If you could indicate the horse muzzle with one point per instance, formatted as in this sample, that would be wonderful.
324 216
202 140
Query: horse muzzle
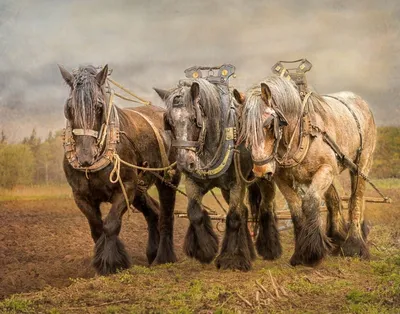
187 161
266 171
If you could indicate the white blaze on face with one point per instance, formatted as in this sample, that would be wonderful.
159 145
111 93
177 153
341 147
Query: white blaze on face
181 119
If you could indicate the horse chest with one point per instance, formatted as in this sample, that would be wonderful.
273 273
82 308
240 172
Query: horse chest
296 175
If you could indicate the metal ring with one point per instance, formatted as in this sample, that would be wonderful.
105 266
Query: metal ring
218 226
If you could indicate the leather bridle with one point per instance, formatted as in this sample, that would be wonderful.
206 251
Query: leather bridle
278 122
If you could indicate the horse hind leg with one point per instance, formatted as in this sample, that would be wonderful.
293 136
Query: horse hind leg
268 241
167 195
336 225
355 241
149 208
201 242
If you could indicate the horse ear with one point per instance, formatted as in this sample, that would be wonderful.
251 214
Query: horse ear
102 75
195 90
164 94
265 93
238 96
68 77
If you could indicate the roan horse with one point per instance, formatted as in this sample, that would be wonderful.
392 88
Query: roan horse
201 128
96 131
322 137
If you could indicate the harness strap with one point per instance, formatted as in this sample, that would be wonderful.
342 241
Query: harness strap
185 144
164 156
359 150
81 132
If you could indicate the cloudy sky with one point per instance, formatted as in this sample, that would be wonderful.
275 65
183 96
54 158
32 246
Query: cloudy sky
353 45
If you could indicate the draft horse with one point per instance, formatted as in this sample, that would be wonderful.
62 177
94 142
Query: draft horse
97 131
202 119
304 144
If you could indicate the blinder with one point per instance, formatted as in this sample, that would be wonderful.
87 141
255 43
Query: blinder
167 126
199 114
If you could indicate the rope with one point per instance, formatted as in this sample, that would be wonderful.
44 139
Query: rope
219 203
238 170
210 210
110 105
141 100
127 98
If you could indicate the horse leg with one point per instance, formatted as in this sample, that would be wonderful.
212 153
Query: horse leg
201 242
313 244
225 194
110 254
268 241
149 208
236 251
355 242
167 195
93 216
294 203
335 224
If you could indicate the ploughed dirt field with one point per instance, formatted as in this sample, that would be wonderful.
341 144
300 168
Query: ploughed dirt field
45 246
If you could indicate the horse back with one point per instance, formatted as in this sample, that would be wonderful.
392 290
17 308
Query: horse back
145 129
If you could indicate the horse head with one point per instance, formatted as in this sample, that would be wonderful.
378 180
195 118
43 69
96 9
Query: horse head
192 106
261 130
85 110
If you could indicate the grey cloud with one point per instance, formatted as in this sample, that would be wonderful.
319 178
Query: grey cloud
353 46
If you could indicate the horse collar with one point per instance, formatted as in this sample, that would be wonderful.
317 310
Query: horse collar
303 146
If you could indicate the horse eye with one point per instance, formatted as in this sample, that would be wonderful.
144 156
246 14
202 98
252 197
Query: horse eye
177 100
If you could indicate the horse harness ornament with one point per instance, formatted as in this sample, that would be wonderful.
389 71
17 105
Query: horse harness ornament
224 153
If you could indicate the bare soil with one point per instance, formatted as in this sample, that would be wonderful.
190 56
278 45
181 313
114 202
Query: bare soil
45 245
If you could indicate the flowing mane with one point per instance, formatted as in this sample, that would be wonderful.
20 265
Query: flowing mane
86 94
285 97
209 96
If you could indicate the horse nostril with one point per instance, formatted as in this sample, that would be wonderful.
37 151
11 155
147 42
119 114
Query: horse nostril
268 175
191 166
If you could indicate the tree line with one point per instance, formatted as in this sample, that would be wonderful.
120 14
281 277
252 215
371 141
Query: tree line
32 161
38 161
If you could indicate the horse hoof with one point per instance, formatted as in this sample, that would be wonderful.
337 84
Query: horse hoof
355 247
204 252
159 260
234 262
295 260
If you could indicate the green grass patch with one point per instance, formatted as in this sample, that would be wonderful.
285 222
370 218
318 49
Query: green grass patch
15 304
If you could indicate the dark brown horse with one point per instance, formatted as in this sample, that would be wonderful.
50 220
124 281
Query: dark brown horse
98 131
